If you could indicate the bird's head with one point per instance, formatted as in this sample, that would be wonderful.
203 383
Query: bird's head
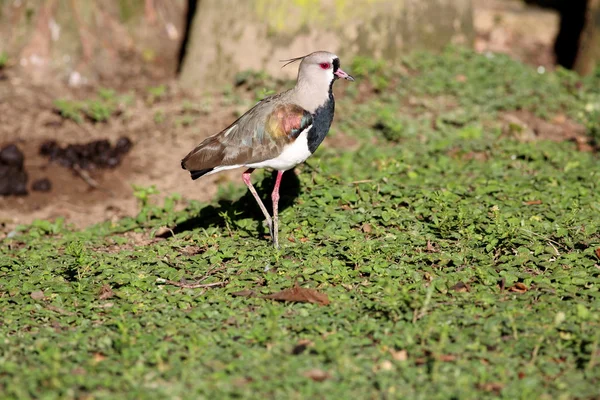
320 68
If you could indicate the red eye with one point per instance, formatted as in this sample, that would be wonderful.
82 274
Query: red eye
325 65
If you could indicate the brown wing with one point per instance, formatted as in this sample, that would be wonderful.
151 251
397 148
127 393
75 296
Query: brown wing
257 136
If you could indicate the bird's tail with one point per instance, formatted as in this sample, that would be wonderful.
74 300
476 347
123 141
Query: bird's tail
197 174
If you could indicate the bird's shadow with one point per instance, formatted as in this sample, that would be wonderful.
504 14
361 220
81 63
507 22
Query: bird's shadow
245 206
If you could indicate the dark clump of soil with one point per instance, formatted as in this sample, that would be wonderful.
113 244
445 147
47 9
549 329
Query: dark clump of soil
42 185
96 154
13 178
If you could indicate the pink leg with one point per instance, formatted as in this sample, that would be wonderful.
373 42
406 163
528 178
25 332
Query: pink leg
248 182
275 198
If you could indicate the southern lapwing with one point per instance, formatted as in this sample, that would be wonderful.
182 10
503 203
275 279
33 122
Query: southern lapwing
279 132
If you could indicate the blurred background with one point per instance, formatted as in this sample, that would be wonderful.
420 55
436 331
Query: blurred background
98 95
205 42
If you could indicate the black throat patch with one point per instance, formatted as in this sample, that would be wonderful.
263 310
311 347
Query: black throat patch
322 118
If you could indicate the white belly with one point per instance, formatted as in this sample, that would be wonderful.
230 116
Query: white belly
292 155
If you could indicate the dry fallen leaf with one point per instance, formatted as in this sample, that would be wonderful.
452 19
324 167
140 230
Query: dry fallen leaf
367 228
59 310
306 342
446 357
559 119
106 292
300 295
37 295
244 293
431 247
242 381
518 288
476 155
317 375
98 357
598 252
78 371
491 387
440 357
400 355
532 202
461 287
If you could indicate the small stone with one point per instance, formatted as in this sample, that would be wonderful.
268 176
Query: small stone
317 375
37 295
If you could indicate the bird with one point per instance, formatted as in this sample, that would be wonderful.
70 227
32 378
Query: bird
279 132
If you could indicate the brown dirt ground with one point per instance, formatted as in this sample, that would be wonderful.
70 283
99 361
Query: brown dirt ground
27 118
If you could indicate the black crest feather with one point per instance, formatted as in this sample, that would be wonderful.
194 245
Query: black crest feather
291 60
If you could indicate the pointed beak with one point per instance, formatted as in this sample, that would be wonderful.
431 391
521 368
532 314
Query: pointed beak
341 74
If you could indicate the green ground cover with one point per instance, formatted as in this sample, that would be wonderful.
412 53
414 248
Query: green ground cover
459 262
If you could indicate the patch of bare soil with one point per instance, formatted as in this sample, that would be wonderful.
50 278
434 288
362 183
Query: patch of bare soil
134 240
162 131
526 126
28 118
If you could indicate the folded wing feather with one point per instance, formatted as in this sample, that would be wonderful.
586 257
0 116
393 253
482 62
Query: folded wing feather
259 135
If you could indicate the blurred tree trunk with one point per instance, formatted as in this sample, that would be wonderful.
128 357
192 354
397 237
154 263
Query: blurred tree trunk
588 56
577 44
85 40
228 36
